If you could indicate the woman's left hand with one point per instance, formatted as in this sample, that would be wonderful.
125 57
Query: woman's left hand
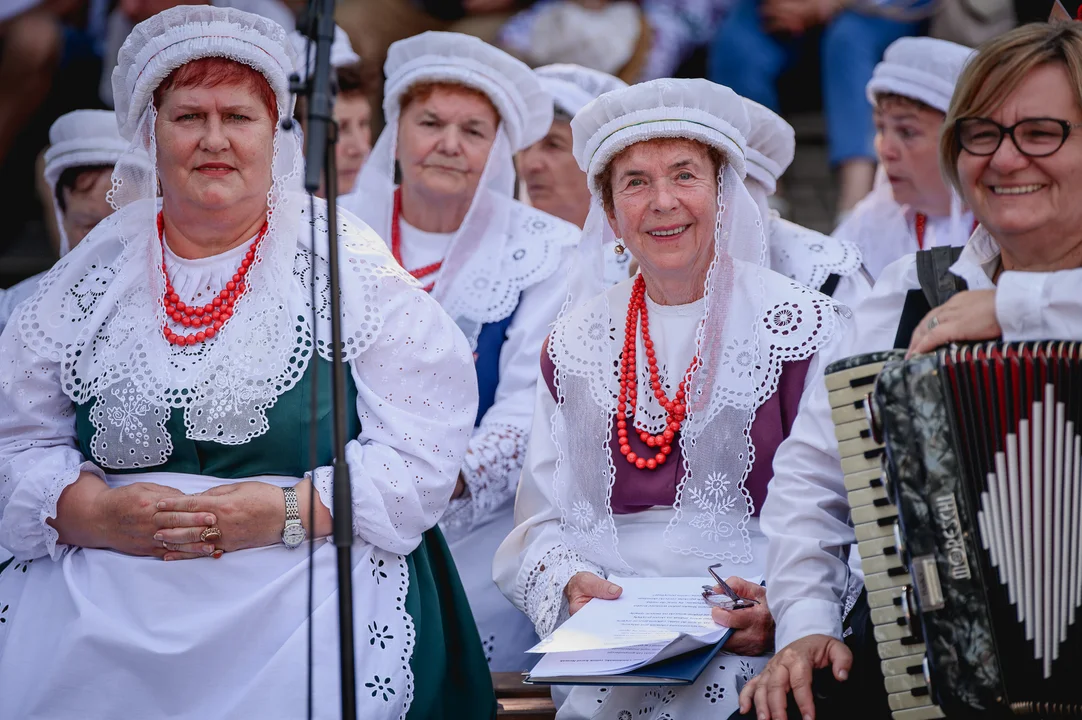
753 626
969 315
250 515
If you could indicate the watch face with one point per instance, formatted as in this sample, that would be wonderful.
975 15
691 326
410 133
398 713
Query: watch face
293 535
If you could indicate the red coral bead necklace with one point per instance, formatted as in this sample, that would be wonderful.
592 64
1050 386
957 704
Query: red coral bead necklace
675 409
396 245
210 318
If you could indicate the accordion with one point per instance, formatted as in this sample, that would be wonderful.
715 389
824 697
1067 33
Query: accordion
964 475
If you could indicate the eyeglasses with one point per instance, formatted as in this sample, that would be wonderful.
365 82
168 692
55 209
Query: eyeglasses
1034 137
727 598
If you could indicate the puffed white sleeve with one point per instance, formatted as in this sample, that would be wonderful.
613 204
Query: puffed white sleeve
498 446
806 513
532 566
1040 305
38 452
416 401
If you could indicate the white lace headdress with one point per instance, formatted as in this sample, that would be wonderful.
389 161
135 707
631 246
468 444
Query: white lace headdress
794 251
753 321
922 68
342 53
99 311
465 285
80 138
573 87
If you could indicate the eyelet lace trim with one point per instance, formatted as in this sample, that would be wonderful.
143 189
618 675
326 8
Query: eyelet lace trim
546 604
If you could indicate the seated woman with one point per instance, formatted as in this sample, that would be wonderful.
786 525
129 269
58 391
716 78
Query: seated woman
911 208
439 187
84 145
156 402
1022 268
828 264
553 179
352 111
664 396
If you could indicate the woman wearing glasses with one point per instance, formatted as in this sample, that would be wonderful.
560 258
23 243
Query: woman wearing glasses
1013 149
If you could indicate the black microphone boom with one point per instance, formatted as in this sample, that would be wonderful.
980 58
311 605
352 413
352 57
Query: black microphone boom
320 137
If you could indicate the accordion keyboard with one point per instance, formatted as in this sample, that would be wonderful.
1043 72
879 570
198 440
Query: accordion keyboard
874 515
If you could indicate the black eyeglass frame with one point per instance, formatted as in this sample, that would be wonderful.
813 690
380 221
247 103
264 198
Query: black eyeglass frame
1004 131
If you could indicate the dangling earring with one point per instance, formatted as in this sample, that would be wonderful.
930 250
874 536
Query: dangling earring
619 249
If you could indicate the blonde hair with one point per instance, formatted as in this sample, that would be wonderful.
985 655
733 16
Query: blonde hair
998 68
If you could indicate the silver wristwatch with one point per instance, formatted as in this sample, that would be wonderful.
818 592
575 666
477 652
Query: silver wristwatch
294 533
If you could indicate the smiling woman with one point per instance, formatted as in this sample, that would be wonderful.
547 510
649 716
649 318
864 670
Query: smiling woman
171 397
668 393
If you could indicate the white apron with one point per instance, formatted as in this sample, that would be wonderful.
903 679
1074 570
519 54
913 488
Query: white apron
99 634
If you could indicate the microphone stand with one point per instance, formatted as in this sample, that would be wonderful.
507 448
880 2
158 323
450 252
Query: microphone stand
321 137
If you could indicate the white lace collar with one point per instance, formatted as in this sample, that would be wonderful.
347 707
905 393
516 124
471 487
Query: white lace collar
772 321
809 257
99 313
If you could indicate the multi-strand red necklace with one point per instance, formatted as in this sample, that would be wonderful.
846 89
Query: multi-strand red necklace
396 245
215 314
675 409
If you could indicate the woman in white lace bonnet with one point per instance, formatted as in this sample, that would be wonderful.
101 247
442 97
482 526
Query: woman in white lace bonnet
828 264
156 403
912 207
663 397
84 145
439 188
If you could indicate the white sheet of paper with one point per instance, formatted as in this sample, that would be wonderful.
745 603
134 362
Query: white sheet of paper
594 662
648 612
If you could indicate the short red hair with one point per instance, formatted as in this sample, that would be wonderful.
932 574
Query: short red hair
215 71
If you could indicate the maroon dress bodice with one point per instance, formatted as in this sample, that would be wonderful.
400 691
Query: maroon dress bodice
635 490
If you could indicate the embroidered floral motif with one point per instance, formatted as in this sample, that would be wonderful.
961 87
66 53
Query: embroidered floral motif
379 635
377 570
714 692
380 687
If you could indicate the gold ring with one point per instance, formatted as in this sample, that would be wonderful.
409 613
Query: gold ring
211 533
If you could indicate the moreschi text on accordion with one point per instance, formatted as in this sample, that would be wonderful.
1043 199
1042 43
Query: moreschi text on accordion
965 487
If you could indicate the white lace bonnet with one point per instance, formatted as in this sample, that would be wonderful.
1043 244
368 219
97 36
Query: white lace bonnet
525 115
572 87
921 68
342 53
80 138
771 145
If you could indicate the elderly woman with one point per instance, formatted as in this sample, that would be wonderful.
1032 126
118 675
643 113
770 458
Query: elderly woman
456 110
553 179
1011 150
830 265
664 396
156 399
84 145
352 111
911 207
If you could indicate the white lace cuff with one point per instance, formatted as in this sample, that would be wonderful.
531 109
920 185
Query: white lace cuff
492 468
25 530
543 592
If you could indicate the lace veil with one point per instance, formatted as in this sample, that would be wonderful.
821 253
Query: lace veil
753 321
466 287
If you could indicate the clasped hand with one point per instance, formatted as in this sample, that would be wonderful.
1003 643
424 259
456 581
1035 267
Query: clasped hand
248 514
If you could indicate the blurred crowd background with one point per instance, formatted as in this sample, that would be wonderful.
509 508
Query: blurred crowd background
808 59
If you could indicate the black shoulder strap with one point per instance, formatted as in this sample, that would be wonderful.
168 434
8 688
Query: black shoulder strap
937 285
830 285
933 273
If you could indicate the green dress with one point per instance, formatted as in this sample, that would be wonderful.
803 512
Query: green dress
451 677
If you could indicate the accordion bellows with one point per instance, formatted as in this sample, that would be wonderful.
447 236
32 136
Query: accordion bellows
965 482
